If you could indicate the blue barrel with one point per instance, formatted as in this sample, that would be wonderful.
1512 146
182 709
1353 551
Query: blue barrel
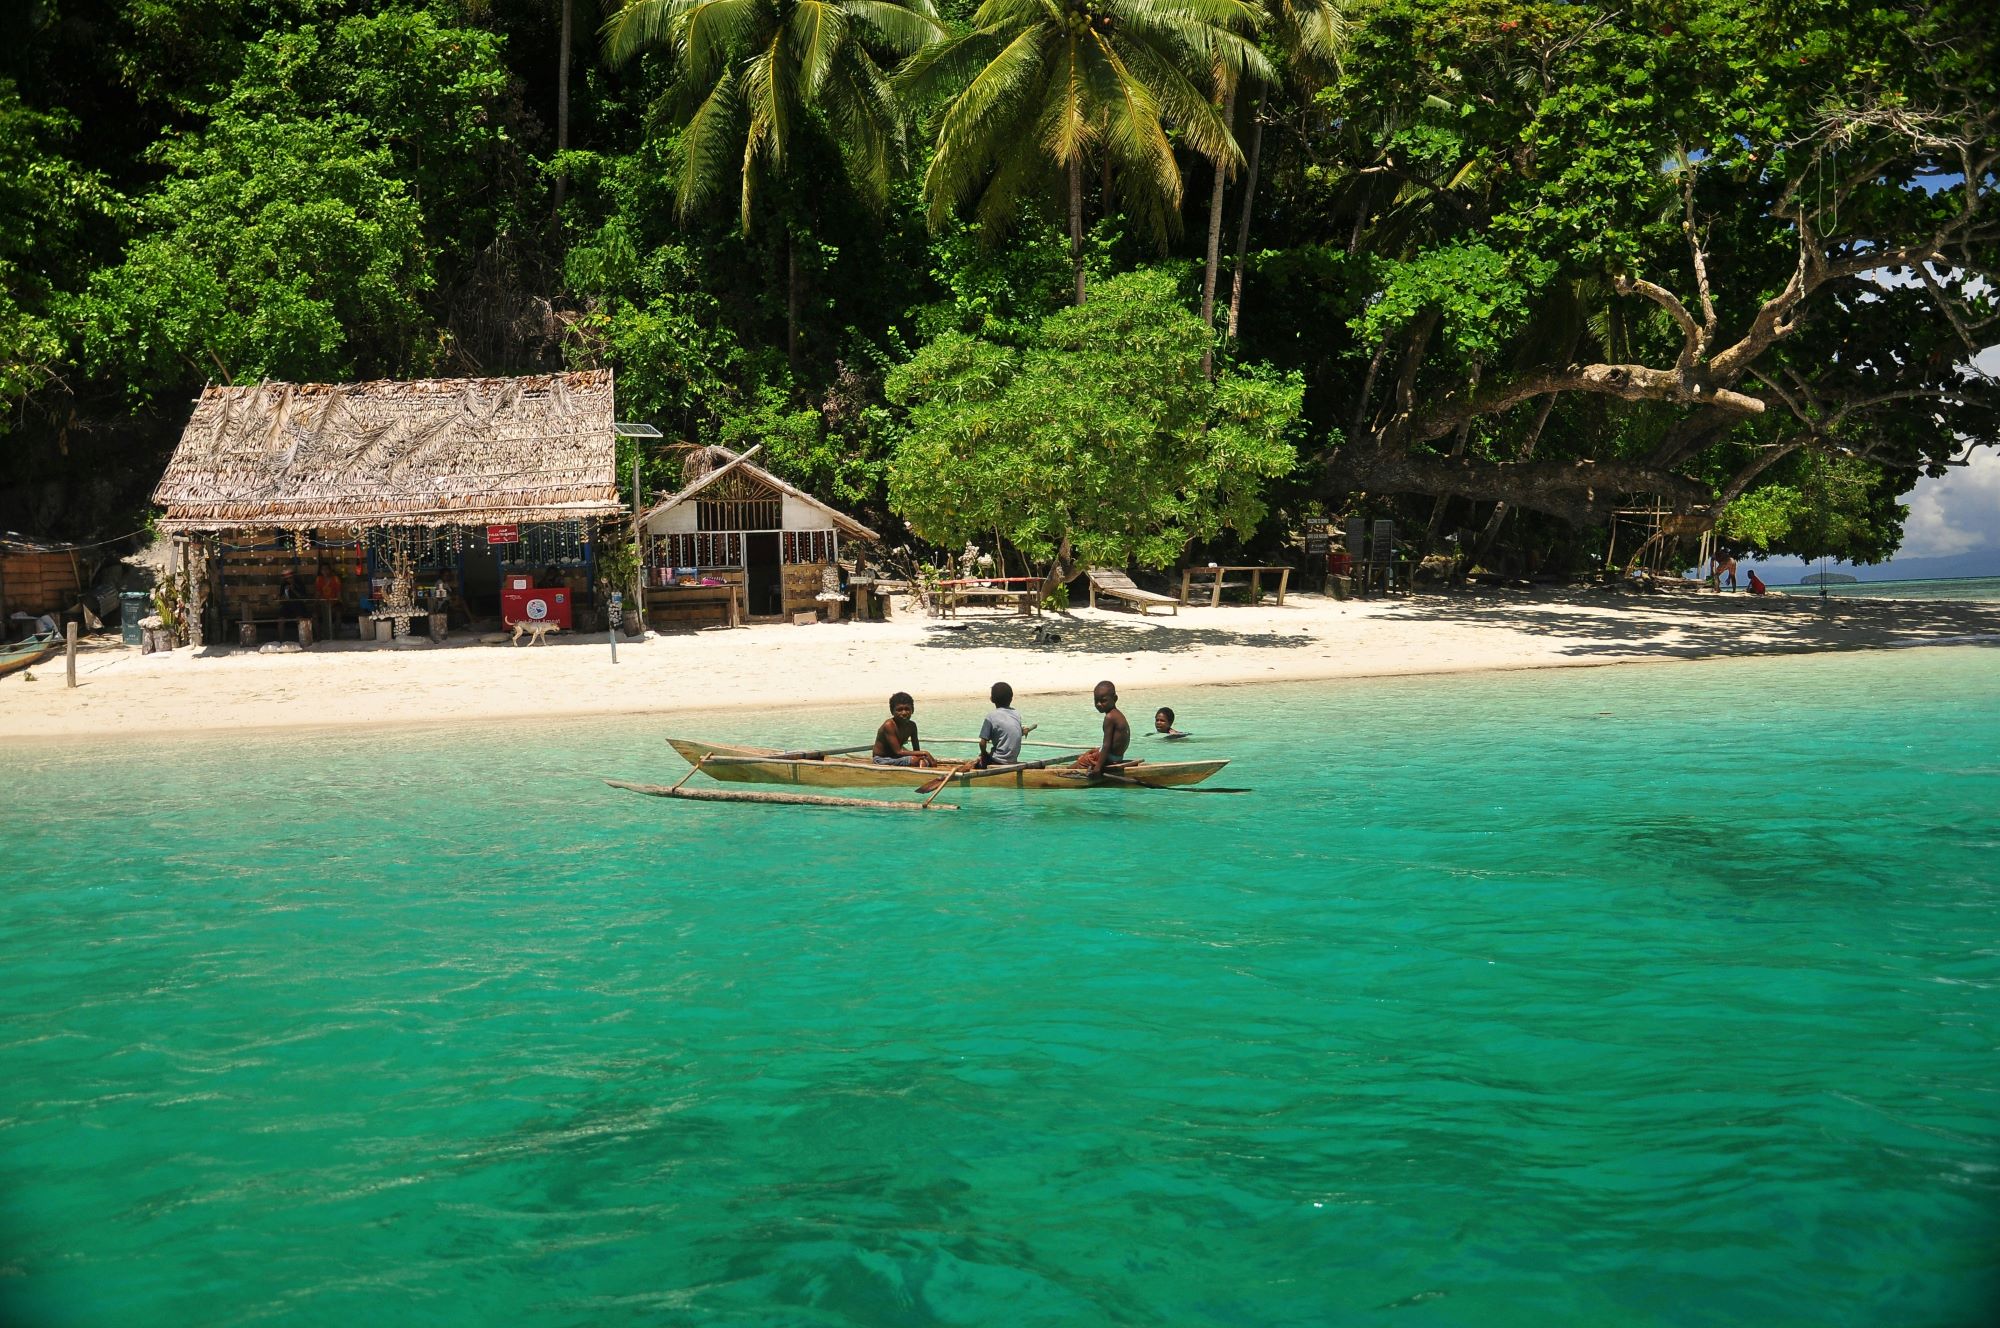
132 606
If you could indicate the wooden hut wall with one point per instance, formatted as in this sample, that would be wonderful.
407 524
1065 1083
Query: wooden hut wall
39 581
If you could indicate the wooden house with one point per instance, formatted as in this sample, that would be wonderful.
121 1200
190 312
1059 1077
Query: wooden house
36 577
767 545
417 495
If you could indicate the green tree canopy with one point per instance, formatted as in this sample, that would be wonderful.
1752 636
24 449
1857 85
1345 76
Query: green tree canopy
1100 438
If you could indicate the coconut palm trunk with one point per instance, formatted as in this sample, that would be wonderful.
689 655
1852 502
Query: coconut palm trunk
562 103
792 301
1209 271
1243 224
1076 223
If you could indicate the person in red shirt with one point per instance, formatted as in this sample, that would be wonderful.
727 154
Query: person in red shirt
1756 585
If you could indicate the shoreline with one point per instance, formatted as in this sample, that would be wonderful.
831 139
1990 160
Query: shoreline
353 686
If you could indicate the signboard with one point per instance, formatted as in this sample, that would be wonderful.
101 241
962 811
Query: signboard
503 534
1316 534
617 612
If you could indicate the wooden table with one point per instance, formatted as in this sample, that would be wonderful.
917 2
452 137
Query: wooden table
1027 600
1215 587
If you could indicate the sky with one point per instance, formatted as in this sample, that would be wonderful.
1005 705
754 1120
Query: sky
1960 511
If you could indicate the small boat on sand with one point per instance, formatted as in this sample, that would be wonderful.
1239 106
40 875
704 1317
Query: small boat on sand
21 654
766 765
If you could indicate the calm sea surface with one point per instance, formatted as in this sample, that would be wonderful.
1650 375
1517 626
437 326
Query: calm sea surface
1963 587
1652 995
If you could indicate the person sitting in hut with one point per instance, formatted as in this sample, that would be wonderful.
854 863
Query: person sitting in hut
1163 725
326 585
896 740
1001 732
1110 750
292 595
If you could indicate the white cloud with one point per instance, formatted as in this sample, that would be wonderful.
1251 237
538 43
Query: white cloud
1956 513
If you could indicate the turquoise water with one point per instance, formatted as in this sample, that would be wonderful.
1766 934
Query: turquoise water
1963 587
1652 995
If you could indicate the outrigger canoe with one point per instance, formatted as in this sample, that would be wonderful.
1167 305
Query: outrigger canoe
30 651
767 765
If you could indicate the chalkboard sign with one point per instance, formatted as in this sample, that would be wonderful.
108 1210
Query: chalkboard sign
1316 534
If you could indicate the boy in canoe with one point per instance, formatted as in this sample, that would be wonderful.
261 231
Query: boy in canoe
1001 733
1110 750
896 740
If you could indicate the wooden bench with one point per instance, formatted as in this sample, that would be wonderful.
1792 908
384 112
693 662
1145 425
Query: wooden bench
695 604
1117 585
1217 584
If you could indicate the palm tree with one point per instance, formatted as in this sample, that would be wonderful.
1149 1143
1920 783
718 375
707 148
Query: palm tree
1039 88
750 76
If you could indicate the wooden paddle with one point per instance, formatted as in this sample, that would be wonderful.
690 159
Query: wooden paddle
938 783
1056 746
819 755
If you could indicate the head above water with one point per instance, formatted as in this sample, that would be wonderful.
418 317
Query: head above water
1163 718
902 701
1002 694
1104 696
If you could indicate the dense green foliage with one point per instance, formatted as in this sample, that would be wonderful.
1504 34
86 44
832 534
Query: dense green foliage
1027 443
1511 263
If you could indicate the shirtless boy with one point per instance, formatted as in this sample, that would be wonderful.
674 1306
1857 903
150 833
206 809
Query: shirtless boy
896 740
1117 732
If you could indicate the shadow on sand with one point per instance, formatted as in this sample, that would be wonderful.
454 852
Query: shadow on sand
1688 626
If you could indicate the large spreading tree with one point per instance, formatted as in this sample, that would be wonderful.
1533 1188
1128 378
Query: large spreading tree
1101 438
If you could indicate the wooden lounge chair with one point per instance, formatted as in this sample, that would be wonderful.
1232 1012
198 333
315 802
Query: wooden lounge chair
1117 585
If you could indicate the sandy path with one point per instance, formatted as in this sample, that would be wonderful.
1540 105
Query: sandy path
348 683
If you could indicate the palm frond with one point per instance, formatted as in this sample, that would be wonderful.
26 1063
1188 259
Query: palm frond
639 26
900 28
705 147
818 30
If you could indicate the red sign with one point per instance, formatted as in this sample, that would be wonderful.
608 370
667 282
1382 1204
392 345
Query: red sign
503 534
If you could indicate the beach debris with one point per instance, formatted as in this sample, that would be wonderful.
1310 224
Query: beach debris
279 648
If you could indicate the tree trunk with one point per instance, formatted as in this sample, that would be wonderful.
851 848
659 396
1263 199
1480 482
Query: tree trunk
1243 225
1444 499
562 103
1474 556
792 303
1076 223
1214 245
1059 570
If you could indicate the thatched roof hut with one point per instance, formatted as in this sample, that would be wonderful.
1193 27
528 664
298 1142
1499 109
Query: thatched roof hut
428 452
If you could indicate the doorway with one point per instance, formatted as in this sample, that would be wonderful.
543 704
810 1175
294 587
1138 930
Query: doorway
764 583
479 577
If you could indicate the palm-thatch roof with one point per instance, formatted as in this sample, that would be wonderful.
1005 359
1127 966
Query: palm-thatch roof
427 452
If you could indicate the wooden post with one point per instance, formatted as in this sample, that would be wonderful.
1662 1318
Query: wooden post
69 651
638 538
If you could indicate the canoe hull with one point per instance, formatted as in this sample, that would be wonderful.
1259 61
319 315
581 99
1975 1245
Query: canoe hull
23 653
742 767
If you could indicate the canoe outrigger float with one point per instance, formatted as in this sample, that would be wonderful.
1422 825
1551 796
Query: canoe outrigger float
841 768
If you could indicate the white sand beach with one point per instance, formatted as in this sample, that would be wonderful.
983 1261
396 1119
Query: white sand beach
122 692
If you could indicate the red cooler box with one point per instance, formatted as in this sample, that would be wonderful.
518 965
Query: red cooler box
519 603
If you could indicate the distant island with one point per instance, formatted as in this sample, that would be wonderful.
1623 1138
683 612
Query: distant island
1945 567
